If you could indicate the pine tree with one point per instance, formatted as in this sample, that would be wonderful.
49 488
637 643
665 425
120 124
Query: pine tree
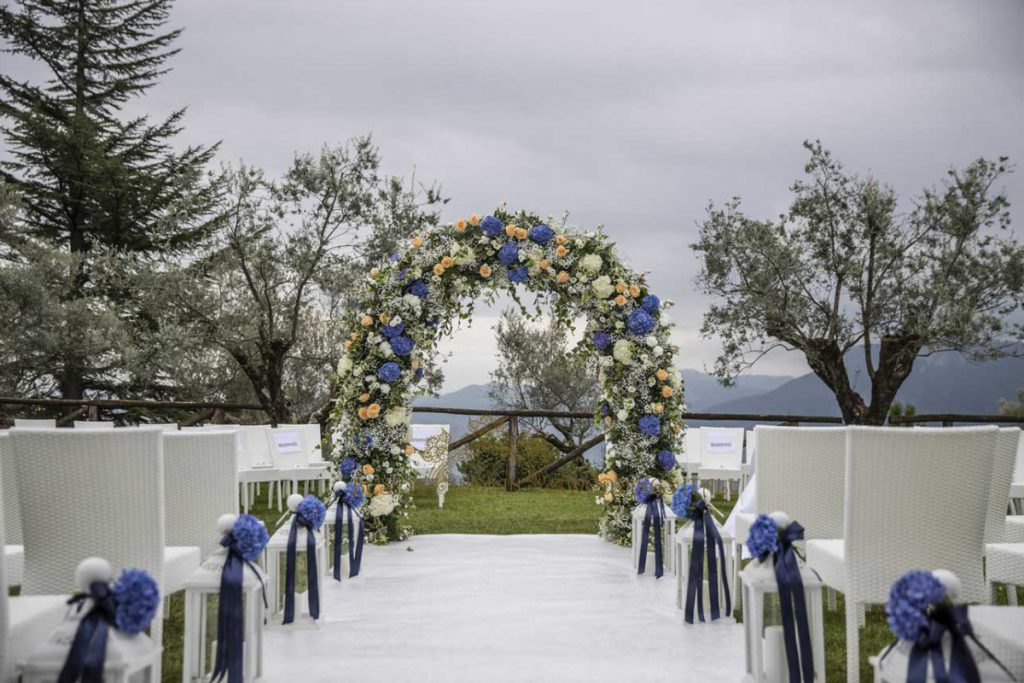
90 178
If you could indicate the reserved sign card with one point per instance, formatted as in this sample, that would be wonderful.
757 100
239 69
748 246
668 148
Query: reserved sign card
287 442
719 442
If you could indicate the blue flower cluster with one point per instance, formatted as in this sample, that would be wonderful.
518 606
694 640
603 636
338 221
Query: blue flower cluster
250 537
402 346
390 331
640 322
763 537
364 439
650 425
643 490
519 274
667 459
602 340
508 254
312 510
354 495
347 466
418 288
651 303
136 597
389 372
492 226
541 234
682 500
909 600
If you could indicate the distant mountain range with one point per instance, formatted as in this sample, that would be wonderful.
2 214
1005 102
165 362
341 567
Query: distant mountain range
943 383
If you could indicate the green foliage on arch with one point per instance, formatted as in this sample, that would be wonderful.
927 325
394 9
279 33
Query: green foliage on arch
413 300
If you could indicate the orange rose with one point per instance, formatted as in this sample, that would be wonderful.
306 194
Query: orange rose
474 219
355 336
607 420
379 489
658 408
510 230
415 363
620 288
348 343
559 239
438 269
366 321
367 469
607 496
409 450
364 397
563 277
612 476
544 264
373 410
363 415
383 318
485 270
460 225
447 262
620 300
666 391
417 241
521 233
561 251
374 272
634 291
661 374
677 428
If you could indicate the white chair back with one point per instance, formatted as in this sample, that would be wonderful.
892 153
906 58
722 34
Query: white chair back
201 480
35 424
800 470
255 447
691 448
999 489
5 656
11 527
295 445
85 494
87 425
1018 469
750 450
721 447
915 498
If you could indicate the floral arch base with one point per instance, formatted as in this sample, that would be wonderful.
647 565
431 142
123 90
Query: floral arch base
437 277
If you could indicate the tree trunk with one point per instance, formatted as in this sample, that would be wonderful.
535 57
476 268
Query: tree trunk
826 361
896 355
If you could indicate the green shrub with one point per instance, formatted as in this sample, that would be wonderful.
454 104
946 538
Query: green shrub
486 462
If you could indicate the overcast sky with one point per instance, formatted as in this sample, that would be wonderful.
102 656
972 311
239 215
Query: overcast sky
632 115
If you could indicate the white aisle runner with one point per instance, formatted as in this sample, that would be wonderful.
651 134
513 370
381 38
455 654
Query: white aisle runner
502 608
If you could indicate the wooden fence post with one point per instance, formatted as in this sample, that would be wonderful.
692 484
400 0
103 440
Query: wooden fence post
513 453
94 413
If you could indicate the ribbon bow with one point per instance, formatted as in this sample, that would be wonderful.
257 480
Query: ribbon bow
795 627
706 540
230 622
654 514
311 573
355 547
88 652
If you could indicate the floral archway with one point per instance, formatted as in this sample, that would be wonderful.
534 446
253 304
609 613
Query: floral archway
437 277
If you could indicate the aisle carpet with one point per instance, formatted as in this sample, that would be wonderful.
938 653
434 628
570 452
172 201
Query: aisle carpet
502 608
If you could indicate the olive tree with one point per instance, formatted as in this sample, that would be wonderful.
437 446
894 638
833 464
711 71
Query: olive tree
846 269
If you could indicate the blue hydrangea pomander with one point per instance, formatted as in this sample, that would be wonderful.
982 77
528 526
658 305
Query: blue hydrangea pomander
389 372
910 598
541 234
651 304
763 537
250 537
418 288
402 345
667 459
602 340
492 226
650 425
347 466
519 274
508 255
643 490
682 500
136 597
313 510
640 322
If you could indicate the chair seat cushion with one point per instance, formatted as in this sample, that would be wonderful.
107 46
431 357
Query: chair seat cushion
251 475
826 556
179 563
32 618
14 559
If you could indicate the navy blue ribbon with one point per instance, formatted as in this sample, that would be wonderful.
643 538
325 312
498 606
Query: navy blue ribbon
230 615
928 648
88 653
793 605
311 573
653 516
355 541
706 541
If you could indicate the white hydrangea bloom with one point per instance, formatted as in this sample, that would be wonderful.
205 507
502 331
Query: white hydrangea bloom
603 286
591 263
623 352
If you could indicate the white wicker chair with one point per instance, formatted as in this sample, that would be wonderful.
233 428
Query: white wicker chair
721 451
691 451
95 493
24 621
749 459
13 550
301 461
1004 563
1017 487
903 520
93 425
201 481
255 464
34 424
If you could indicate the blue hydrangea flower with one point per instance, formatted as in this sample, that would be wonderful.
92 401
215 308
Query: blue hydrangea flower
605 408
402 274
640 322
509 254
364 439
541 234
909 600
682 500
389 372
347 466
643 490
419 288
354 495
250 537
651 303
419 373
395 257
763 538
136 597
492 226
519 274
602 340
390 331
667 459
402 346
312 510
650 425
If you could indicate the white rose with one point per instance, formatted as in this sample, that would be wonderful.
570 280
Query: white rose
591 263
384 389
623 352
603 286
395 450
395 417
397 320
651 340
622 415
658 351
411 300
385 349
